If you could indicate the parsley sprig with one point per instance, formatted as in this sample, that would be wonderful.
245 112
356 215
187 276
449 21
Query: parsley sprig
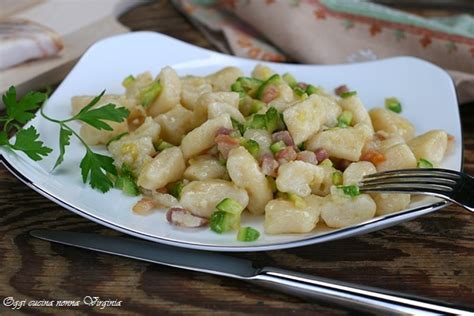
96 169
18 113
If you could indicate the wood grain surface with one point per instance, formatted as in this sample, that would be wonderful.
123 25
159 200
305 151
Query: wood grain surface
432 256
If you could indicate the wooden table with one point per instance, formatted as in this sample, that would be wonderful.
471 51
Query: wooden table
432 256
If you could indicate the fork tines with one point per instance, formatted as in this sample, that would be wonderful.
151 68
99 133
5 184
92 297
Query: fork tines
450 185
431 180
419 171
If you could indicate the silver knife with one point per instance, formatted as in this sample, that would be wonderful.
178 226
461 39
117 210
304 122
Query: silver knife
310 287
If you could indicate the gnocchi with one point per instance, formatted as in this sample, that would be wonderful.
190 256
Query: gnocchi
262 72
297 177
324 188
344 143
135 86
359 112
215 110
356 171
166 167
137 147
204 167
223 79
330 108
191 89
214 147
215 100
340 211
245 172
202 137
399 156
303 119
285 98
431 145
391 123
390 202
262 137
201 197
175 124
170 92
283 217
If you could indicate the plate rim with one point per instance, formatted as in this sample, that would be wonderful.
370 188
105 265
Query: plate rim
333 235
389 219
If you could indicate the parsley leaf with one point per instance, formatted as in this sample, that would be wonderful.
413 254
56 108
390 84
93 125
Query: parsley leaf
64 141
18 113
19 110
92 103
27 142
3 138
108 112
95 168
97 117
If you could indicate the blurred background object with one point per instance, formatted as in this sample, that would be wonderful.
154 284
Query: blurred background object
23 40
78 23
306 31
455 5
339 31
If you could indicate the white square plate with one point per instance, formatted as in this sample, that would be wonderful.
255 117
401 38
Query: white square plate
426 91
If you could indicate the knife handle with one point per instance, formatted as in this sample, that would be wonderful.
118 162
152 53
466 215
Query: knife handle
350 295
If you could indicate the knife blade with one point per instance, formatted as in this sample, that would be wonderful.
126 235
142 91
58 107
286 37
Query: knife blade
194 260
306 286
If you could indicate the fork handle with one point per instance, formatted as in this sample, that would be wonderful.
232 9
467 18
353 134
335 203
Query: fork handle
351 296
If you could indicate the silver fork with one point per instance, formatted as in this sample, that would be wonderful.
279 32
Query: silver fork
454 186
